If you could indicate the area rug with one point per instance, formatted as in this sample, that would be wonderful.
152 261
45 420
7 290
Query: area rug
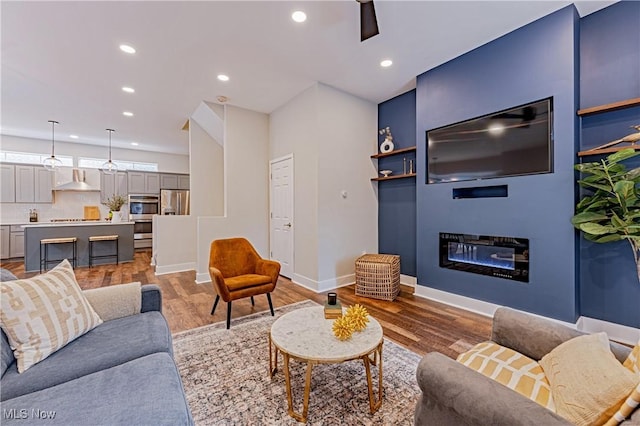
226 379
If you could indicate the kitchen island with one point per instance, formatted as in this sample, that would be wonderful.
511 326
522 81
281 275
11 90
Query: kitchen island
35 232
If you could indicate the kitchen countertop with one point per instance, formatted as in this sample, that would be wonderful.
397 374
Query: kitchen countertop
86 223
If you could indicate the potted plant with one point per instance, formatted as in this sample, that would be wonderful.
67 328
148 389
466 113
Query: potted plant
115 203
611 209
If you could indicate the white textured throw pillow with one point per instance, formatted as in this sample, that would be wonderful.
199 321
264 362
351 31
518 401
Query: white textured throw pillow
42 314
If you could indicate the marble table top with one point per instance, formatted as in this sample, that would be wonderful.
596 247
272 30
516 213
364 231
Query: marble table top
306 334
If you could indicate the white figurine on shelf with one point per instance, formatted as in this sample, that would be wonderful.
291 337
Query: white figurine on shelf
387 145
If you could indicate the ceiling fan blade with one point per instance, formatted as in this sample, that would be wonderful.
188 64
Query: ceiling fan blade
368 21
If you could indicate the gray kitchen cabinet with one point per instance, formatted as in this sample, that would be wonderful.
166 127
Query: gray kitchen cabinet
152 183
183 181
115 184
7 183
16 240
168 181
43 192
33 184
25 184
5 230
143 183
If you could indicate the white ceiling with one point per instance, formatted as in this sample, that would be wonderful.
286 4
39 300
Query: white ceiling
60 60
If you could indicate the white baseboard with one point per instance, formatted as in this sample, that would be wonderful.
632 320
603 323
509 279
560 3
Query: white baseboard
617 332
408 280
322 286
203 278
463 302
179 267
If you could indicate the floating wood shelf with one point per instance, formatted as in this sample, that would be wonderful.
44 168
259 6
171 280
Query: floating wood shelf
397 151
614 146
408 175
610 107
608 150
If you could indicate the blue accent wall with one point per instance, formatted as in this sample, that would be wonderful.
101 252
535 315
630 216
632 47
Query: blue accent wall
610 72
397 198
531 63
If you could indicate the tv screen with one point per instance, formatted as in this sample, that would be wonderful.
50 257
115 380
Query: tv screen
513 142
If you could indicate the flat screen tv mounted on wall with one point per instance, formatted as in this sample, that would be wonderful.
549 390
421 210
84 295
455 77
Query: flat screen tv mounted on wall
513 142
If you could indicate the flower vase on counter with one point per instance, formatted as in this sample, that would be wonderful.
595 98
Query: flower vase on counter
116 217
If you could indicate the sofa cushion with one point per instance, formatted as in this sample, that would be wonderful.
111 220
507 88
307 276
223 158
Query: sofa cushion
144 391
510 368
587 382
42 314
112 343
115 301
633 360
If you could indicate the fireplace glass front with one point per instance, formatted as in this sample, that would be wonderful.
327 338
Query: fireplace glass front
503 257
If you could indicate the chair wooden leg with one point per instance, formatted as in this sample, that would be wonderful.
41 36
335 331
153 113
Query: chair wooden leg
215 304
228 315
270 304
252 302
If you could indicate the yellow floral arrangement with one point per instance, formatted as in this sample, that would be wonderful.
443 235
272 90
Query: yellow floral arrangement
355 319
342 328
359 317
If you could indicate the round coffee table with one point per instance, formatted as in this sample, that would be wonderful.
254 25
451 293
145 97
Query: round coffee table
305 335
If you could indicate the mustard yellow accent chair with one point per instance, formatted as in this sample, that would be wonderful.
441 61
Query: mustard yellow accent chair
237 271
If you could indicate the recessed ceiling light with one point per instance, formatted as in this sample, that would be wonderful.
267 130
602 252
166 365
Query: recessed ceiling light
128 89
223 77
73 136
299 16
127 49
128 114
134 143
386 63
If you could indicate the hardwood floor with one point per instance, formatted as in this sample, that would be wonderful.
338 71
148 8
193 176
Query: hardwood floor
418 324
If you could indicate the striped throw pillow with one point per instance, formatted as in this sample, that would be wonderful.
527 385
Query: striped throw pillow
512 369
628 407
633 360
42 314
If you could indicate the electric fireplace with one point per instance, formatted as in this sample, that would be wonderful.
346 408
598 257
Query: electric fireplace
503 257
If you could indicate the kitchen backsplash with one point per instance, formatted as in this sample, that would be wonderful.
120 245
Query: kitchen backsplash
66 205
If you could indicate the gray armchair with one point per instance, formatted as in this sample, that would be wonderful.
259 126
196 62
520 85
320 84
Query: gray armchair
453 394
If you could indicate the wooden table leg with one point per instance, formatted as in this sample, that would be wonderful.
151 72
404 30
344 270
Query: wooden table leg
374 404
301 417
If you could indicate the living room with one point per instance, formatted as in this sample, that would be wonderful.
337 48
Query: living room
562 55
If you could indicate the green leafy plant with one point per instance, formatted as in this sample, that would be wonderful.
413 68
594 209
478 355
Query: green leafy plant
611 210
115 202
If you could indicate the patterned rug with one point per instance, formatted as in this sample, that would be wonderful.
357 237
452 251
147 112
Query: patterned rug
226 379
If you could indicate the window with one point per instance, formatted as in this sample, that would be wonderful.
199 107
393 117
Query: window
32 158
96 163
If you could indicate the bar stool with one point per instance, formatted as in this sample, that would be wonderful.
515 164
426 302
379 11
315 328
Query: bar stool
46 242
100 238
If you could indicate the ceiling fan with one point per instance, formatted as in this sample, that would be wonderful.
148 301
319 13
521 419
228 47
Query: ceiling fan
368 21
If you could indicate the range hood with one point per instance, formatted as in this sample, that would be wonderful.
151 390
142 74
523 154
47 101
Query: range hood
77 184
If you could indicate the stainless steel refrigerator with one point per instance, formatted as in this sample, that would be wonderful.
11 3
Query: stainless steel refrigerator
174 201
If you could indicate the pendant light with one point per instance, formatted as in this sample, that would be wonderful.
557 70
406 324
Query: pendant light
52 162
109 167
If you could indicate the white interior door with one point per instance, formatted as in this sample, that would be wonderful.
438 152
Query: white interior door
281 199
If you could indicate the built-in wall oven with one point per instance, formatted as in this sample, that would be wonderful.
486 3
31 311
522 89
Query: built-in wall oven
142 207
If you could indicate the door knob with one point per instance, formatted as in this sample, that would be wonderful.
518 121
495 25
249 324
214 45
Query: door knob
288 225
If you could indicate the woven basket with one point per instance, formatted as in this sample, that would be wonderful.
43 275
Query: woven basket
378 276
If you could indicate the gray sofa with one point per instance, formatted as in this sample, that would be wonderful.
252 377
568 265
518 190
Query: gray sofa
120 373
453 394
